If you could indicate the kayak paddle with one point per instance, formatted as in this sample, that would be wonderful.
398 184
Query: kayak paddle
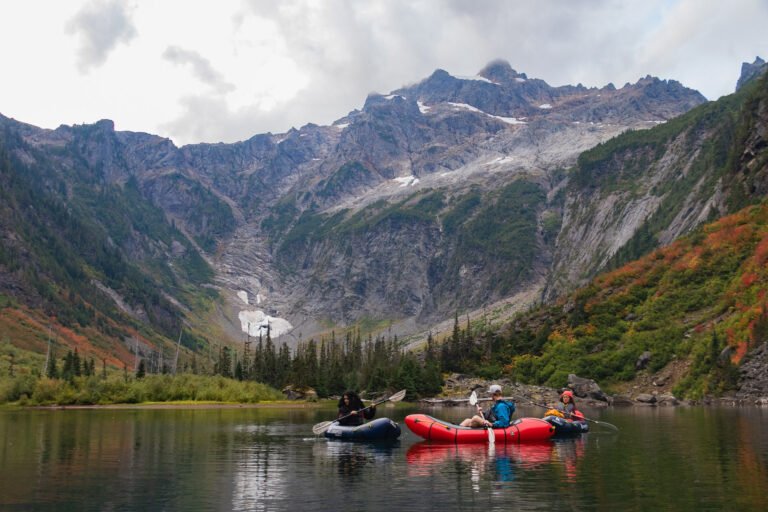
491 433
322 427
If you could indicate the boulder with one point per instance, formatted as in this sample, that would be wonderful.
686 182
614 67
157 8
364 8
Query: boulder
667 399
298 393
622 401
585 388
643 360
646 398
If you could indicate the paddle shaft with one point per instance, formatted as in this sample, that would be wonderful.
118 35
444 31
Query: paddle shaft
585 418
491 433
322 427
353 413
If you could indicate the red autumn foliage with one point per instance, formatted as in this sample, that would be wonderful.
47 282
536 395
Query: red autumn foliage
748 279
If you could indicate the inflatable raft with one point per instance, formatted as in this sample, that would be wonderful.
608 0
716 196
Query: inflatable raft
380 429
567 428
523 430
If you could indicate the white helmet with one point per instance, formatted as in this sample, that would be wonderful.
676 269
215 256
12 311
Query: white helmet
495 388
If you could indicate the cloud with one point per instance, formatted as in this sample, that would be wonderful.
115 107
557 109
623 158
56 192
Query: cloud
101 25
346 50
201 67
316 61
210 119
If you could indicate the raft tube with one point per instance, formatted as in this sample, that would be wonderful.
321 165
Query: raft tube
380 429
567 428
523 430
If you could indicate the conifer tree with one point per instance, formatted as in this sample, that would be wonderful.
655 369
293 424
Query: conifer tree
141 371
52 372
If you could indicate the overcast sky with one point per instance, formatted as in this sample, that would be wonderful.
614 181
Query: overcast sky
223 71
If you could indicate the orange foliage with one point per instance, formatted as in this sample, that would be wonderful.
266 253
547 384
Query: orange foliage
689 261
761 252
729 237
748 279
28 329
673 252
741 351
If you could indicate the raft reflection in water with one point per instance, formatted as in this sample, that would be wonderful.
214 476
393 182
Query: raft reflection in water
503 462
350 459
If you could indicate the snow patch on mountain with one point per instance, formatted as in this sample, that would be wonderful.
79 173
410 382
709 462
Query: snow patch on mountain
405 181
256 322
476 78
464 106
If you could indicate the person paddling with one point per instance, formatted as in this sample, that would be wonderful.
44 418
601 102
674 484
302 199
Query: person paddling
499 415
351 406
567 406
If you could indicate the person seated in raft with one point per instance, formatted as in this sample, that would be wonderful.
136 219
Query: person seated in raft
567 406
352 406
499 415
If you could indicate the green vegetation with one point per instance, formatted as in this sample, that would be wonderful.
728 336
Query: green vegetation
345 178
329 367
702 299
74 231
706 144
210 220
500 235
117 389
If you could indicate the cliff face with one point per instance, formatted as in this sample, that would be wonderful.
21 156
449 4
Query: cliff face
645 189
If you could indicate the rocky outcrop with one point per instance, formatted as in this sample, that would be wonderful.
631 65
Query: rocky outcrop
753 381
751 71
586 388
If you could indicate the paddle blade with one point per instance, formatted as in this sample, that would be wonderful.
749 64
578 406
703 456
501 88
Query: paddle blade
491 436
473 398
320 428
398 396
609 425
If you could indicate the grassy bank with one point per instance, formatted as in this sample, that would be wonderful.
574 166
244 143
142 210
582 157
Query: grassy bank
115 389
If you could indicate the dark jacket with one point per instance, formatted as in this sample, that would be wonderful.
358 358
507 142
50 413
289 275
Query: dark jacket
355 404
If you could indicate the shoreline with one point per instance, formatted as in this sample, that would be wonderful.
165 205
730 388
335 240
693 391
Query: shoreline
177 405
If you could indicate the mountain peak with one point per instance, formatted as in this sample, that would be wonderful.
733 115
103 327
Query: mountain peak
500 70
751 71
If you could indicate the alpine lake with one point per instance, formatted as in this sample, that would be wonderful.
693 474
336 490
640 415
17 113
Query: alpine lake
267 459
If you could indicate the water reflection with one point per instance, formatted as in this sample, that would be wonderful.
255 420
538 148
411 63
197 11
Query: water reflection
350 459
681 459
499 463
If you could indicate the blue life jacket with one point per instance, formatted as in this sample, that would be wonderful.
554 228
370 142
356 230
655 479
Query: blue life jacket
501 413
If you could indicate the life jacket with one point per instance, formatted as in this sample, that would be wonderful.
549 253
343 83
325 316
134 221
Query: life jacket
569 411
491 416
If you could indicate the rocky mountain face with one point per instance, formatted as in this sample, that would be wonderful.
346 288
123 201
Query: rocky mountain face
645 189
448 195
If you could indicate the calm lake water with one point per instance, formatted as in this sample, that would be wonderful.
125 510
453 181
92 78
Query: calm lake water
267 459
